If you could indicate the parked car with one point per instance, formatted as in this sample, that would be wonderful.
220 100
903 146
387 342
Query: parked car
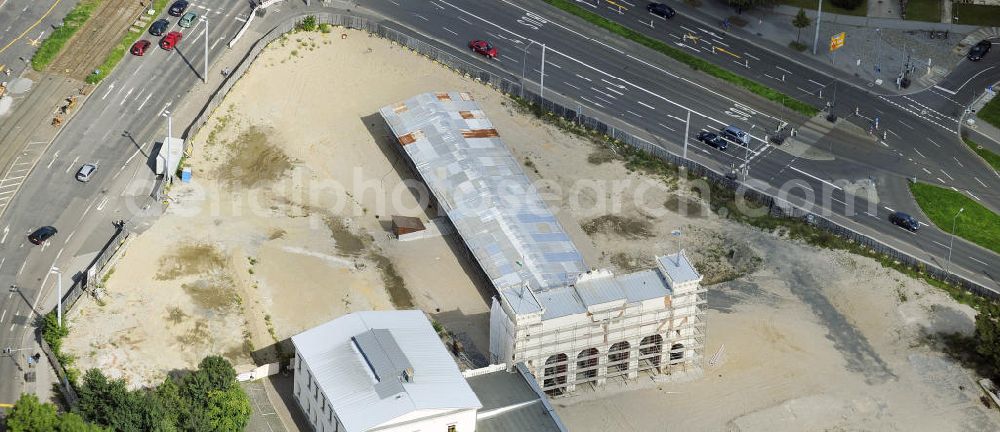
904 220
979 50
159 27
188 19
484 48
139 47
178 8
86 172
713 140
736 135
170 40
661 9
42 234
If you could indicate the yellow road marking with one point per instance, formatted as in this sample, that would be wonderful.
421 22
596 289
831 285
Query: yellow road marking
727 52
3 405
30 28
690 36
618 5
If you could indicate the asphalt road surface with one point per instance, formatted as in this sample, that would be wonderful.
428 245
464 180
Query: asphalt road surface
23 25
119 123
651 96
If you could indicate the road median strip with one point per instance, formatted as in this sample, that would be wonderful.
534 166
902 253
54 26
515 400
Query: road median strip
118 52
51 46
686 58
975 223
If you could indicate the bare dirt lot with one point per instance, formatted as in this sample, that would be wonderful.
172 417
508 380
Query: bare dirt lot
284 227
87 48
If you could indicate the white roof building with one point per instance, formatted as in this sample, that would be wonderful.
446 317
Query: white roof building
380 371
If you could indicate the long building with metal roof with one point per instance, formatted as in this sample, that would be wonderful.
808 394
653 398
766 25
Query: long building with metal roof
550 305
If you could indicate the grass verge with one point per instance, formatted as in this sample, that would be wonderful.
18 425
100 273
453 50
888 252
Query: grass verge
683 57
53 334
973 14
923 10
991 158
118 52
976 224
52 45
990 113
724 202
861 10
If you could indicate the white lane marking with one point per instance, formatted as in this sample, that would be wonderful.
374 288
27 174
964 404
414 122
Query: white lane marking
980 181
4 315
972 78
126 97
615 91
110 88
215 43
421 17
817 178
553 65
921 154
630 112
932 142
751 56
940 244
945 90
581 76
925 170
959 163
6 230
19 271
942 182
72 164
571 85
645 105
905 124
817 83
449 30
972 195
102 204
978 261
666 127
783 70
592 102
603 93
508 57
949 175
54 157
144 102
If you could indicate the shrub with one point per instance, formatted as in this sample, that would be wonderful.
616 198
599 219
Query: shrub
307 24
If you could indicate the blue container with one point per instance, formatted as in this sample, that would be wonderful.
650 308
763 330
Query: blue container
186 175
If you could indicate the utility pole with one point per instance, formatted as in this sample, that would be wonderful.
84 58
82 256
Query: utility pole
59 295
166 169
541 92
819 16
954 222
687 129
205 77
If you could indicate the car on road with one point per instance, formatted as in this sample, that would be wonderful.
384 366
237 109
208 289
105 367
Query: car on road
979 50
86 172
178 7
42 234
736 135
188 19
904 220
713 140
170 40
139 47
660 9
159 27
483 48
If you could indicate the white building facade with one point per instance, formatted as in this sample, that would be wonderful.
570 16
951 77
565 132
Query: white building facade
380 371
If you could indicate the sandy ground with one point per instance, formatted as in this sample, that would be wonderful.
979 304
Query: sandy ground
284 227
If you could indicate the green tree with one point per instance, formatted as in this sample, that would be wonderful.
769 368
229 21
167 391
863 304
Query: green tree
742 5
228 410
800 22
220 373
108 402
30 415
988 333
70 422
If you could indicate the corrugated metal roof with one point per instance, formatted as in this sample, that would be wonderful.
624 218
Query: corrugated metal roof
644 285
345 377
482 188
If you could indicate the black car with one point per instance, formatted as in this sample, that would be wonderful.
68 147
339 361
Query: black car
178 8
159 27
904 220
979 50
40 235
713 140
661 10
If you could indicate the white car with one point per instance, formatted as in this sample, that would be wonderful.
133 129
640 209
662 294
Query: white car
86 172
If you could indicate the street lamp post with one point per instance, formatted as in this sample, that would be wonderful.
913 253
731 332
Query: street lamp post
524 57
819 16
204 78
58 294
166 168
954 223
541 83
687 128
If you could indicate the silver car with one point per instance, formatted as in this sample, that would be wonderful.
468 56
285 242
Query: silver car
86 172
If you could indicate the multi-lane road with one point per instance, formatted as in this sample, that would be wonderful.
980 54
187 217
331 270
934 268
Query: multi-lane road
116 129
631 86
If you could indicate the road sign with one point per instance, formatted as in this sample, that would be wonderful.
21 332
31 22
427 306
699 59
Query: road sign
837 41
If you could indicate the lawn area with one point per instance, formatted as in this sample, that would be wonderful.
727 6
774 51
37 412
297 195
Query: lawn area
694 62
976 224
990 113
118 52
51 46
924 10
991 158
973 14
861 10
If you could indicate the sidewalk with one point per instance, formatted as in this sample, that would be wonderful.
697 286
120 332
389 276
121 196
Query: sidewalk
875 47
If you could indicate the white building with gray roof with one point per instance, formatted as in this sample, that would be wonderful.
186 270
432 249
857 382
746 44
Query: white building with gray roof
569 324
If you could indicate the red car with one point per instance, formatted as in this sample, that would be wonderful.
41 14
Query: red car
139 47
170 40
483 48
